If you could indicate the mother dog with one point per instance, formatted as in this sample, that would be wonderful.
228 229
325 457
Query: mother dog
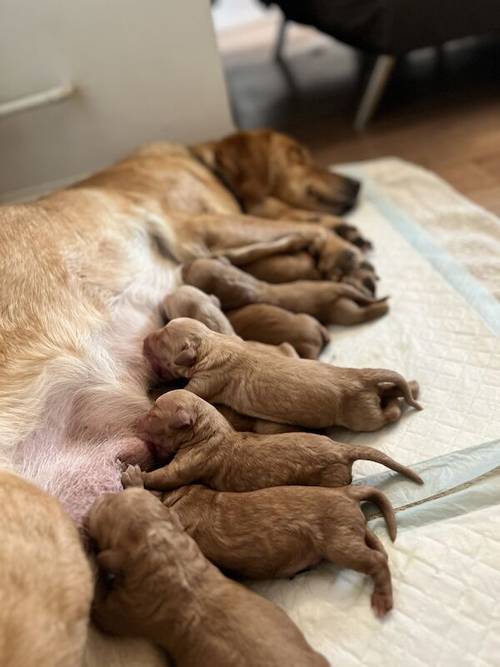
83 272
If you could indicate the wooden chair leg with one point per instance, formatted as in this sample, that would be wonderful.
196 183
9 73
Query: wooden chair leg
373 92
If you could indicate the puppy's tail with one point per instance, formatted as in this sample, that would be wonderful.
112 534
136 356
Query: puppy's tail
371 454
361 493
382 375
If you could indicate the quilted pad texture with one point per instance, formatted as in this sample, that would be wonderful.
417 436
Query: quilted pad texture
442 331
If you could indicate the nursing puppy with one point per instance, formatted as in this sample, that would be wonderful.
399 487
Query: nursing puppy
188 301
225 369
329 302
166 591
209 451
273 325
280 531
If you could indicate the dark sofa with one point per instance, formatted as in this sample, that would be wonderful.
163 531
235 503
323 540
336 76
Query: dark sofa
390 28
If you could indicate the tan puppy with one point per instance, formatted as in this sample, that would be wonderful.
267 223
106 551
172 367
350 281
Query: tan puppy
166 591
208 450
330 303
273 325
188 301
225 369
280 531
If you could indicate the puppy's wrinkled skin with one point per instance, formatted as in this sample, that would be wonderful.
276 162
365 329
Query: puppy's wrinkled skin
166 591
283 530
225 369
188 301
250 424
208 450
273 325
330 303
44 607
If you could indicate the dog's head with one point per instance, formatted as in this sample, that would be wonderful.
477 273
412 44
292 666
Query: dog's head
174 349
261 163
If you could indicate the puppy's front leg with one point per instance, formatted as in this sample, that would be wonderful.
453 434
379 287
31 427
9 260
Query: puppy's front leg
182 470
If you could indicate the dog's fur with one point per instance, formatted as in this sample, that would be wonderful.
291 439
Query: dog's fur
47 590
209 451
227 370
329 302
166 591
280 531
273 325
85 270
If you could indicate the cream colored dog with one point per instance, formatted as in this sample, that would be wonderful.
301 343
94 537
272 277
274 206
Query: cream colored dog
83 273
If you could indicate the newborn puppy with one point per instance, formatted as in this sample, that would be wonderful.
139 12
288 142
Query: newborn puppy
284 268
280 531
225 369
166 591
188 301
272 325
329 302
208 450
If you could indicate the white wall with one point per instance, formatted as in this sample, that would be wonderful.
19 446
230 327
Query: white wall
141 70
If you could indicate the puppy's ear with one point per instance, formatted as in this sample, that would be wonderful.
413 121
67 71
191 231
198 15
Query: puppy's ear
181 419
110 560
187 357
215 300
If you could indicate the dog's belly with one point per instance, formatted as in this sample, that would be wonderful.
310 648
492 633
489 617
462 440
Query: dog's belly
92 400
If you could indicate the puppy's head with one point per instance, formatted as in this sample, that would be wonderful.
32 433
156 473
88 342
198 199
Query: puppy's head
262 163
189 301
172 421
176 348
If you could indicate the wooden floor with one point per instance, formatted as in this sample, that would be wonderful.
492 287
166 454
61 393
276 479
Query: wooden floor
441 109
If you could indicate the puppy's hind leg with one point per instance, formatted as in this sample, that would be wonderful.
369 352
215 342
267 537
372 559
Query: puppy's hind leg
346 312
371 560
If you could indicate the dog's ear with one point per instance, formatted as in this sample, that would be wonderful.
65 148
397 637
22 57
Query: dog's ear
181 419
110 560
215 300
187 356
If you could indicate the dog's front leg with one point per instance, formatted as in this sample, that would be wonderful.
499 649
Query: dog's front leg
211 234
277 210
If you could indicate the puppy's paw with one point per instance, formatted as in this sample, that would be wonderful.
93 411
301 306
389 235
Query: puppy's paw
132 476
381 603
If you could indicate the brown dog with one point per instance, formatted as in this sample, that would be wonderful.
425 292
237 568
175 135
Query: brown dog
273 325
209 451
225 369
283 530
330 303
188 301
166 591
